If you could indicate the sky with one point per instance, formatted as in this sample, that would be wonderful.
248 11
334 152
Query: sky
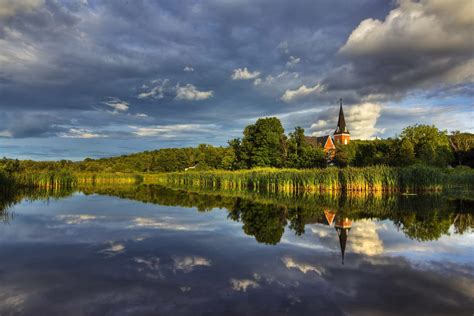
102 78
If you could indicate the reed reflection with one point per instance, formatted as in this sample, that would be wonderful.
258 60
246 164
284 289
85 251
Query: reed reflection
265 216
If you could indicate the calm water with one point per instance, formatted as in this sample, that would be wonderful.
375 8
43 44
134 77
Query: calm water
155 251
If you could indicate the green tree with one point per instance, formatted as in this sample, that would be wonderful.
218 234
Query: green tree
431 146
462 145
264 143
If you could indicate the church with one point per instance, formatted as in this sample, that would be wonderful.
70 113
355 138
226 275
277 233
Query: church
341 135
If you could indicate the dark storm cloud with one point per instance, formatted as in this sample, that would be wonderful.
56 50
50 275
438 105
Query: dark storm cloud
66 60
417 45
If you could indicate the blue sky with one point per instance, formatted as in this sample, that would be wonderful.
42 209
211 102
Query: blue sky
99 78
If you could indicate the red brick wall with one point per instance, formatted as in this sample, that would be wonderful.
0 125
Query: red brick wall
341 138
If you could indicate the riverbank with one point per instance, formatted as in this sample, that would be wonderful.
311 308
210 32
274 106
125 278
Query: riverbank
367 179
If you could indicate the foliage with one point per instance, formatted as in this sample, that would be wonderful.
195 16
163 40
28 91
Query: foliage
367 179
264 144
300 154
462 145
431 146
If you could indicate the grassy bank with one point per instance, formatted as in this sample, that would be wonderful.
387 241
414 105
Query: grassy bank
367 179
57 180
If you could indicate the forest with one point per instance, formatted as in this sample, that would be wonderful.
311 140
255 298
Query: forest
265 144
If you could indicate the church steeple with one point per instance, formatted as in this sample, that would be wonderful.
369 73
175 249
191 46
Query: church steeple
341 123
343 226
341 134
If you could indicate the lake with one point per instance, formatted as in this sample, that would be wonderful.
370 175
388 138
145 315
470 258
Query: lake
150 250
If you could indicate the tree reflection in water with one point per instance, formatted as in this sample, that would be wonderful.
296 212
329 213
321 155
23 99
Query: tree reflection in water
265 216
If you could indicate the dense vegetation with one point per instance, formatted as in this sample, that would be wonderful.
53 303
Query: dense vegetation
383 163
264 216
367 179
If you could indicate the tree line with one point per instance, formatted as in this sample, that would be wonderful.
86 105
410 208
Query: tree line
265 144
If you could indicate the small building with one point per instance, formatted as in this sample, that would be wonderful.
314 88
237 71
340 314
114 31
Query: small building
341 135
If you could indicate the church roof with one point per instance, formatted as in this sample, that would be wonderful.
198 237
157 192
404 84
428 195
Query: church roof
316 141
341 123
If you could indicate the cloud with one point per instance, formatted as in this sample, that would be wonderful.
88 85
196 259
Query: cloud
9 8
171 131
151 267
189 263
78 219
244 74
157 92
80 133
419 44
302 91
283 46
113 249
143 222
243 284
364 238
117 104
362 120
293 61
191 93
416 27
303 267
188 69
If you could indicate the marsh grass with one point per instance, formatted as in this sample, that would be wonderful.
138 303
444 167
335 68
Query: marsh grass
367 179
60 180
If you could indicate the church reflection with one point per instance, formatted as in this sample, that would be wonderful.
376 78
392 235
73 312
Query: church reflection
341 224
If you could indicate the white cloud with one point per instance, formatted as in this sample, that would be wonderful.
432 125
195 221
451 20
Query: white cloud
361 120
302 91
113 249
6 133
151 267
117 104
80 133
10 8
78 219
364 238
171 131
188 69
243 284
244 74
293 61
283 46
166 224
187 264
416 27
303 267
157 92
191 93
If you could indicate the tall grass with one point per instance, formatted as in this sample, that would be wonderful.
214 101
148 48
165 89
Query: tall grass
367 179
59 180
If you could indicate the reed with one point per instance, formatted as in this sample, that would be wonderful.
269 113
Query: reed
367 179
64 179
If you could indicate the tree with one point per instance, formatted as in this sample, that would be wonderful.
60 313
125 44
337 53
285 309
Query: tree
264 143
431 146
406 152
462 145
345 154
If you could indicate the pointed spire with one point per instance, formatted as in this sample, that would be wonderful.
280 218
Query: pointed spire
342 232
343 226
341 123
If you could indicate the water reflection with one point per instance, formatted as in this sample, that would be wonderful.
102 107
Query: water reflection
100 252
265 216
